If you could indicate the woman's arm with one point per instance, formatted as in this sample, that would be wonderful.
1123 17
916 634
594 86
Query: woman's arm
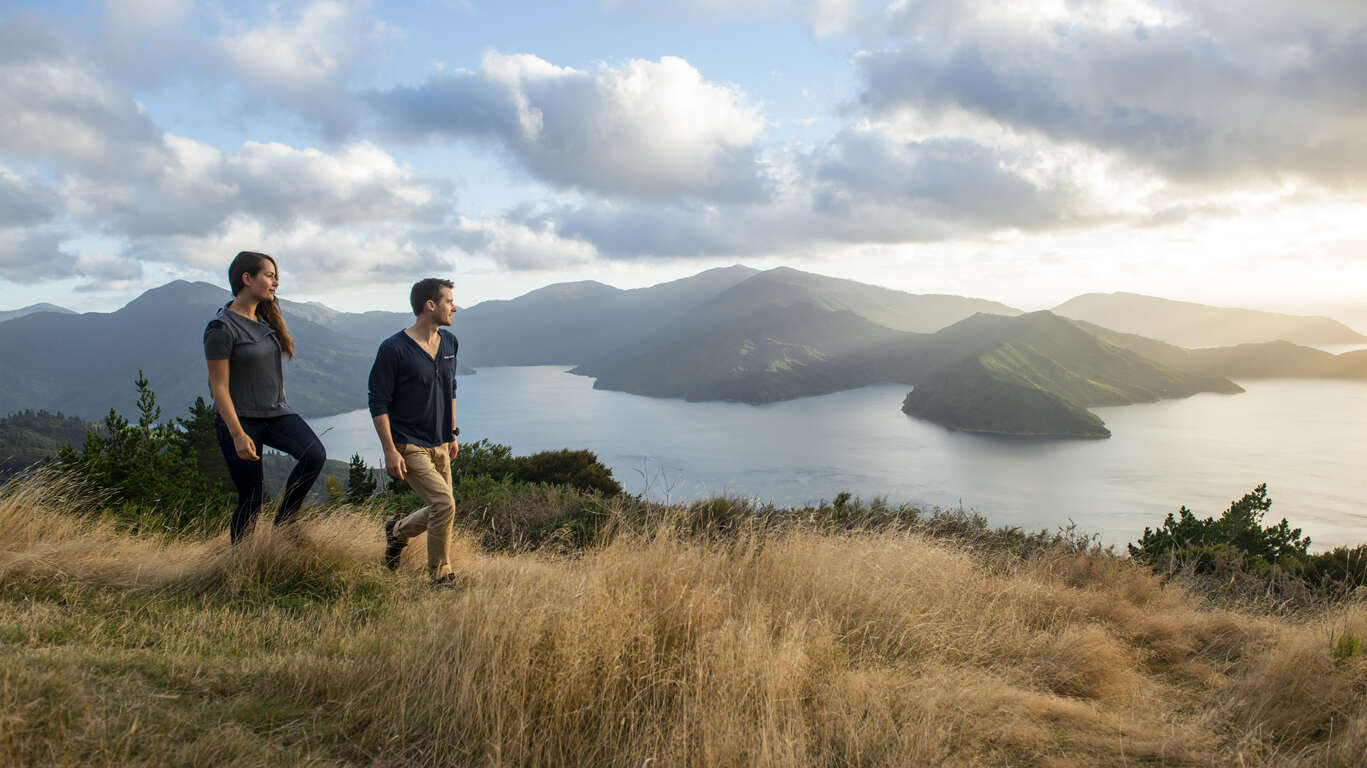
218 387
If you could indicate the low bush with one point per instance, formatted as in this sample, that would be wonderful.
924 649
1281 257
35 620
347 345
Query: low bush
1236 547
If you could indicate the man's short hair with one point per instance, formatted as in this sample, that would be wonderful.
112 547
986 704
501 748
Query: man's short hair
425 290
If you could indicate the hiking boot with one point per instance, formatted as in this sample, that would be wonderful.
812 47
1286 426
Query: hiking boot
451 581
393 547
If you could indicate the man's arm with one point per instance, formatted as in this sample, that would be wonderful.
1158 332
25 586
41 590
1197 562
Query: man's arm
455 439
380 389
393 460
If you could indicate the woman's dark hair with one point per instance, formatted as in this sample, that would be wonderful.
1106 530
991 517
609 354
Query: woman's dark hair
425 290
251 263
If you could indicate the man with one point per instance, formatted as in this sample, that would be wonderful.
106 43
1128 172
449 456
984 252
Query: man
413 405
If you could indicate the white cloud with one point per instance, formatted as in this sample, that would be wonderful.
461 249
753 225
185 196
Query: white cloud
24 201
645 129
57 107
519 245
33 254
1201 93
313 258
303 63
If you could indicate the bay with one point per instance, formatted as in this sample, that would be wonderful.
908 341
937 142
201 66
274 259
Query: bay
1307 439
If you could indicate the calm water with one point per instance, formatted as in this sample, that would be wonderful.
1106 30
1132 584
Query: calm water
1306 439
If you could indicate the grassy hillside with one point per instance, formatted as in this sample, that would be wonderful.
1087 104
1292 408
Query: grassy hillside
802 646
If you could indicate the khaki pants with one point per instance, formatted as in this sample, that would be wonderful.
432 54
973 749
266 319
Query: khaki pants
429 475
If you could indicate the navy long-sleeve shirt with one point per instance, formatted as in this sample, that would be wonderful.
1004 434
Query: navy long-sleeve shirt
415 389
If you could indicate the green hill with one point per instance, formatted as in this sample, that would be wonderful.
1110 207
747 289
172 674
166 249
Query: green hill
1034 375
974 397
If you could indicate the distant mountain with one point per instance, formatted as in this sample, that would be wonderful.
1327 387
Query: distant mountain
1032 374
85 364
373 326
10 314
770 337
1268 360
898 310
572 323
1199 325
769 353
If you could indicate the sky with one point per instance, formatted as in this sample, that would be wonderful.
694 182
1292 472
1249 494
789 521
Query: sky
1016 151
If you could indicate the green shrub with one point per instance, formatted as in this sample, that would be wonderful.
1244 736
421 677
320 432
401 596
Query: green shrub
576 469
1238 531
483 459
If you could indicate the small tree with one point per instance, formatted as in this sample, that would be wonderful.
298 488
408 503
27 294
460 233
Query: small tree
360 480
200 435
333 487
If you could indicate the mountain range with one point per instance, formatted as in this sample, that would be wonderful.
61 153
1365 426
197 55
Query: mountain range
85 364
1198 325
10 314
731 333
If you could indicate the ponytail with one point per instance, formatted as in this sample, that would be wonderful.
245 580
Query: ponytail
270 312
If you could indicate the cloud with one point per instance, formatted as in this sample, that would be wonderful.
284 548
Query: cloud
1195 91
951 180
646 129
312 257
200 186
304 63
525 244
25 202
33 254
866 185
57 107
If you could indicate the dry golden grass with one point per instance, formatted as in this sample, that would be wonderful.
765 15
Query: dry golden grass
796 648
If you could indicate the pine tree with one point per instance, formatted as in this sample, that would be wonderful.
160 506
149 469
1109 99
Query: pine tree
360 480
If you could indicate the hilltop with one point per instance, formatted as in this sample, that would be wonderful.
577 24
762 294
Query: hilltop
685 642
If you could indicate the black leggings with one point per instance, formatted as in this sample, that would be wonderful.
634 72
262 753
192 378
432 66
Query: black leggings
288 433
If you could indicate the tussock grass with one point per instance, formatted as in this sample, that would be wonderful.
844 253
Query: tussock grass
793 646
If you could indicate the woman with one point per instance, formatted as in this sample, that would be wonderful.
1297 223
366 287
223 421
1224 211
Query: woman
243 347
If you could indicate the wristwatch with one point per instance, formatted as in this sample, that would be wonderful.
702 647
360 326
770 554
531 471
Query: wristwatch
455 431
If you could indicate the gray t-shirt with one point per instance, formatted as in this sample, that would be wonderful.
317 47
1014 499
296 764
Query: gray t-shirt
256 380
